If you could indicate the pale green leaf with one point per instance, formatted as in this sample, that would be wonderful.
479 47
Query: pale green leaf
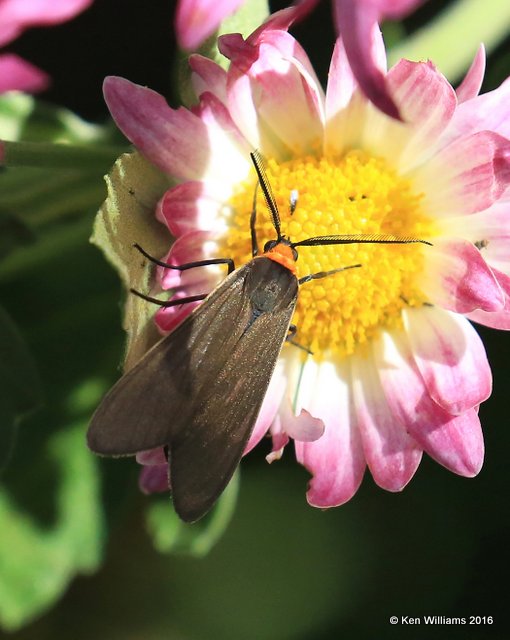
452 38
44 182
171 535
24 117
37 562
128 216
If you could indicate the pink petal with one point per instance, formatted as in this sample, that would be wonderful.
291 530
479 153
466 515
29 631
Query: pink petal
458 278
488 229
191 247
347 112
341 82
269 78
208 76
454 441
394 9
196 20
392 455
497 319
450 357
190 206
272 401
357 23
336 459
188 248
467 176
503 281
470 87
280 441
18 15
229 158
345 108
174 140
425 98
491 232
152 457
168 319
17 74
154 479
486 112
303 427
426 102
286 425
283 19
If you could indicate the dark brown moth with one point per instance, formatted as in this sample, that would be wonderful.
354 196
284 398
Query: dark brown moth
199 390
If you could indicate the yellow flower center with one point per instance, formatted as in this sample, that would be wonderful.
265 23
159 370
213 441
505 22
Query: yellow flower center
355 194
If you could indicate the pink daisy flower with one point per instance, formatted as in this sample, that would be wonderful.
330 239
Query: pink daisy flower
398 368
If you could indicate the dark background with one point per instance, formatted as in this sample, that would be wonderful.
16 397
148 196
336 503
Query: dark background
282 570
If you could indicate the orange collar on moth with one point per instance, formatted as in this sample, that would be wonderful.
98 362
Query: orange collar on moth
283 254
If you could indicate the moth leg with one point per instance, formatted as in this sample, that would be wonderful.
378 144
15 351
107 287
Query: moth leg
325 274
170 303
290 339
292 331
253 220
187 265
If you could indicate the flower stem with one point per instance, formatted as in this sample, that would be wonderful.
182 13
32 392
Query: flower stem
58 156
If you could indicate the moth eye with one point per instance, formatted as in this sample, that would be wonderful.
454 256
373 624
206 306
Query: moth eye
270 245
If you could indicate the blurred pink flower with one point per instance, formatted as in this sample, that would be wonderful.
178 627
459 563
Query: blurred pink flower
397 369
196 20
15 17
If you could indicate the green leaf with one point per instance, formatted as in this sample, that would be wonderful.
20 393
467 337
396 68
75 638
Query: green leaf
171 535
53 240
78 157
128 216
36 562
36 197
22 117
13 234
45 182
20 387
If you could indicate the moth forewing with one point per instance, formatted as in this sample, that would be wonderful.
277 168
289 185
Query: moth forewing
199 390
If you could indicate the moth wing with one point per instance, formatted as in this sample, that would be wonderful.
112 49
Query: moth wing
155 400
204 457
199 390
